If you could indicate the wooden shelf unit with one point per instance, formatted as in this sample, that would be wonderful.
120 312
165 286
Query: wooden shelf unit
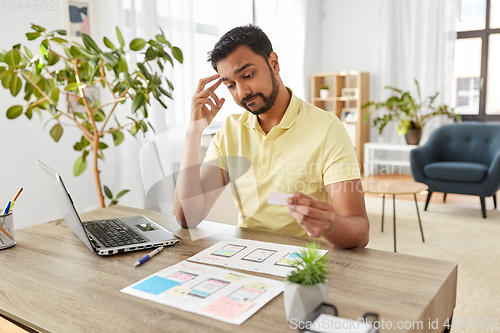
356 88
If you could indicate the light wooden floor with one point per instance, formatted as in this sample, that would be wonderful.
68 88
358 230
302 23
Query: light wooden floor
8 327
451 199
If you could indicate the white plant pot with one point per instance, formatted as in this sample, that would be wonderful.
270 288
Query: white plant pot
302 300
323 93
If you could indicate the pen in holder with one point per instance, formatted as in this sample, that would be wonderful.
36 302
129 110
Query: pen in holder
7 231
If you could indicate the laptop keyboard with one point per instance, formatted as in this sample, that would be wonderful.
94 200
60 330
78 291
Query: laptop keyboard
114 233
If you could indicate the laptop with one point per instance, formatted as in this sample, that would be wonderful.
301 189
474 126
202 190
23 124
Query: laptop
109 236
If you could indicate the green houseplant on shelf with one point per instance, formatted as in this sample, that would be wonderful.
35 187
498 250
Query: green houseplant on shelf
412 114
324 91
306 286
61 82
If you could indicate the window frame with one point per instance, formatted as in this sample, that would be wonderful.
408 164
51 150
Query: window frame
484 34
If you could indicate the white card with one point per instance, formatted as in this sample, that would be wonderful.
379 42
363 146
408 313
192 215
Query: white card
276 198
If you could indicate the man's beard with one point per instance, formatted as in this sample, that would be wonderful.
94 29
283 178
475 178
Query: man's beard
268 101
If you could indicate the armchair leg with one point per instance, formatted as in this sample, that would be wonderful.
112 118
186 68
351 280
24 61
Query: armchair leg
483 206
495 200
444 197
428 199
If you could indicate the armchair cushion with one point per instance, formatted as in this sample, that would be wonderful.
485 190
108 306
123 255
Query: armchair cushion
463 172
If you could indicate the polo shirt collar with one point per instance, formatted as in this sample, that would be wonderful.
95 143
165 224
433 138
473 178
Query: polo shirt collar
288 118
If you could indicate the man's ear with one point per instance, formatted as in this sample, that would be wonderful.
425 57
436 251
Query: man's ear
273 62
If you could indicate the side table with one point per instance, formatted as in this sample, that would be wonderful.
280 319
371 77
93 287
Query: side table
395 187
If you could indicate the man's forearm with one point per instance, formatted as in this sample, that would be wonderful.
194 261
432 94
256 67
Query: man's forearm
348 232
189 191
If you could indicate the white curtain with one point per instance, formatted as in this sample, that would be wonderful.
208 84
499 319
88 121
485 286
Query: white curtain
125 164
284 22
418 40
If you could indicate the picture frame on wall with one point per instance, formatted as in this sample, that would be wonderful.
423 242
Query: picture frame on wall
77 16
92 93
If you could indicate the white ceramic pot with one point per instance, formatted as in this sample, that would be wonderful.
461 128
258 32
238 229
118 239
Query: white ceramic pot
323 93
302 300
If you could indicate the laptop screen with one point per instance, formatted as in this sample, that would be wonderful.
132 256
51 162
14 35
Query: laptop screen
65 205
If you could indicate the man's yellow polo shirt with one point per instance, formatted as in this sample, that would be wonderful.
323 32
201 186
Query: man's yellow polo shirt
310 148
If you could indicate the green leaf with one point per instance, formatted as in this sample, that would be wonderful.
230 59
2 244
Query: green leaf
80 166
44 47
118 137
6 78
162 39
164 92
84 141
37 28
114 202
133 129
151 53
137 101
59 40
33 35
72 86
108 43
99 116
108 192
4 73
29 113
177 53
28 52
56 132
61 32
55 95
14 111
122 193
144 71
137 44
89 43
78 146
103 145
109 58
80 115
15 85
120 37
12 58
122 63
52 59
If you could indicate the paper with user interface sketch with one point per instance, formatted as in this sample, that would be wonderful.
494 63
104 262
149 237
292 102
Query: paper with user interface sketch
213 292
249 255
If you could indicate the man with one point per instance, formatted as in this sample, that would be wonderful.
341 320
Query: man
280 144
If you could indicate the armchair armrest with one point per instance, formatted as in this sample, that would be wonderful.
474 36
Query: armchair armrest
419 158
492 181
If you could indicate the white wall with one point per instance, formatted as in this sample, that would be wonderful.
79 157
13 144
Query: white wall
350 40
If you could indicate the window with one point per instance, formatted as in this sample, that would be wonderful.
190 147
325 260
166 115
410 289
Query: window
477 60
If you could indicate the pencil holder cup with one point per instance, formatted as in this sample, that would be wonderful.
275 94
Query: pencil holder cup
7 231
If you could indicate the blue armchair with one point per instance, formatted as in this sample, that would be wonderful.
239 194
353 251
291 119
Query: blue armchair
460 158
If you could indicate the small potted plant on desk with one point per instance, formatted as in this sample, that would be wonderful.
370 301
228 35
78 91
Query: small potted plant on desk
412 114
307 286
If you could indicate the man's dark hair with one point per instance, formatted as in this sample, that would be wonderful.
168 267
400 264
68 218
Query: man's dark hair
249 35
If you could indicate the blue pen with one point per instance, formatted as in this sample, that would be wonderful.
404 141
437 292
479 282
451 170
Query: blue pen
148 256
7 209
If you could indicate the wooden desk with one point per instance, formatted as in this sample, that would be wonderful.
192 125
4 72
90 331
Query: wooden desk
51 282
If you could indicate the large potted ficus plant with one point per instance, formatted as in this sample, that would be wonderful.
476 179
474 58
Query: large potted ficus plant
412 114
68 71
306 286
